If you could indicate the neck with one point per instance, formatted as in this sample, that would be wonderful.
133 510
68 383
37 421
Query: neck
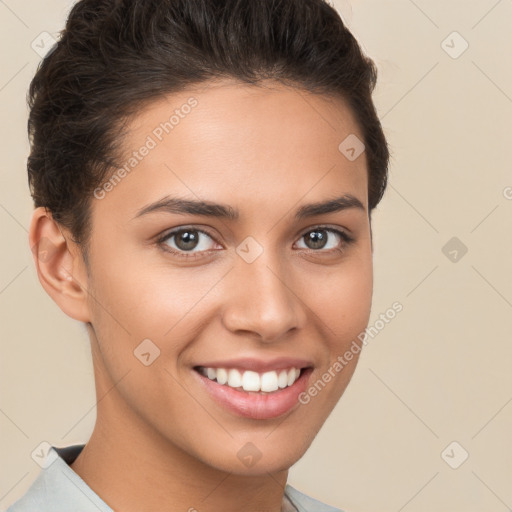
132 467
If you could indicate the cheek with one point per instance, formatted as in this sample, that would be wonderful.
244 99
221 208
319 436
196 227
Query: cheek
143 298
344 311
137 300
346 303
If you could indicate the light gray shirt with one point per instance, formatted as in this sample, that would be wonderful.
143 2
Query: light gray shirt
57 488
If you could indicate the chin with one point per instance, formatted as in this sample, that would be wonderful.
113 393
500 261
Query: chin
259 454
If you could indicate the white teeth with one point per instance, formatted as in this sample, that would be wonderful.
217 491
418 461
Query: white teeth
222 375
234 378
252 381
282 380
269 382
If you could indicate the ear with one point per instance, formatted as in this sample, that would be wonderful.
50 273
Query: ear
59 264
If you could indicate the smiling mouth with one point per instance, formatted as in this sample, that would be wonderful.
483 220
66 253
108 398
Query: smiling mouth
255 395
250 381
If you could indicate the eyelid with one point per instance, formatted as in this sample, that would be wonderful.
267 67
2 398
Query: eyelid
329 227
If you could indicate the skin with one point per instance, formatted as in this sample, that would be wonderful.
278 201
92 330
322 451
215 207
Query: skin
160 442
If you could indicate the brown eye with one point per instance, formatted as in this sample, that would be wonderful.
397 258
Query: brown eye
324 239
185 240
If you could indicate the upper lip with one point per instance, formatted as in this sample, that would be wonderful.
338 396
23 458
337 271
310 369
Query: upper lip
259 365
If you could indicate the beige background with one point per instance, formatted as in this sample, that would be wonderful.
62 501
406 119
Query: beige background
439 372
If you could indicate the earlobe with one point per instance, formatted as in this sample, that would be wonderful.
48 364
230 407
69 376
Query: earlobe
59 265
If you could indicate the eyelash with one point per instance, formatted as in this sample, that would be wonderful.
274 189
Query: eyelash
347 239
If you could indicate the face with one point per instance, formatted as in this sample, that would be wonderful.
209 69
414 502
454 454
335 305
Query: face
264 290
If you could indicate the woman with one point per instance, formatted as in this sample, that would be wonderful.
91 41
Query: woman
203 175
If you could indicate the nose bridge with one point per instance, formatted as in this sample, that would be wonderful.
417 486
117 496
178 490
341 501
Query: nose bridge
262 300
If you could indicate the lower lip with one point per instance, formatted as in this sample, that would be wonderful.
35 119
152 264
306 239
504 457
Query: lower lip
255 405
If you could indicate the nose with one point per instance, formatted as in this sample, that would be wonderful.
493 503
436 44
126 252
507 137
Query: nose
264 299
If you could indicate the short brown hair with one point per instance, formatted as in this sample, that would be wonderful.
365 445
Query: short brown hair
115 55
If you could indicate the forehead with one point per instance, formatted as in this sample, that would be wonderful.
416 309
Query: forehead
245 145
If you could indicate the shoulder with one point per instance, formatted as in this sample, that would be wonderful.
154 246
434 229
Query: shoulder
57 488
305 503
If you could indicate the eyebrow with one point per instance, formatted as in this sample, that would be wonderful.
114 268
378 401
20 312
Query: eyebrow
182 206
